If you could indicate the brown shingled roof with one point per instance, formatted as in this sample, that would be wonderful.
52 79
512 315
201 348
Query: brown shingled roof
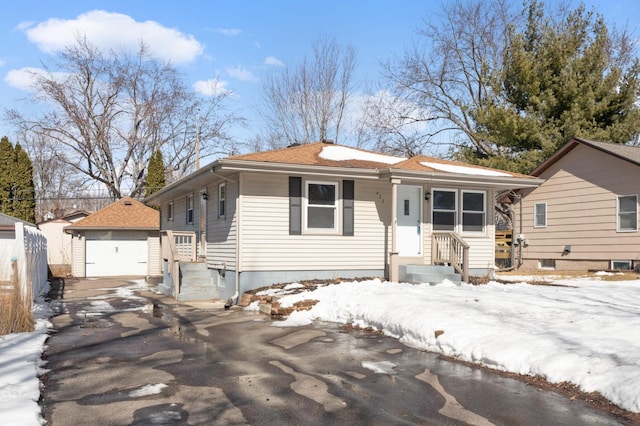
309 154
125 213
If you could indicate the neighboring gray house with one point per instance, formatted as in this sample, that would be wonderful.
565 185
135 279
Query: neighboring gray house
585 214
322 211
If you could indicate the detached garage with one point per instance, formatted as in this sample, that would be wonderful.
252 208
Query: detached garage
120 240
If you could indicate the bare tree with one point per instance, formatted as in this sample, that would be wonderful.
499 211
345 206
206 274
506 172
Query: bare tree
307 102
111 110
447 73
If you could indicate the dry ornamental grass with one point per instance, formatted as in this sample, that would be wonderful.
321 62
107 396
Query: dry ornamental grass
15 313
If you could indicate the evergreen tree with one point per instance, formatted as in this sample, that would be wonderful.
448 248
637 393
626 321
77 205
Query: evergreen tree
155 177
24 203
561 79
7 165
16 182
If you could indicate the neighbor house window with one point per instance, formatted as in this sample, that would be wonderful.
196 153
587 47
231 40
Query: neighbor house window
473 211
547 264
444 210
222 198
621 265
627 213
322 206
189 209
170 211
540 215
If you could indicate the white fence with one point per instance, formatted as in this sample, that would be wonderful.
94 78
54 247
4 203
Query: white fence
29 251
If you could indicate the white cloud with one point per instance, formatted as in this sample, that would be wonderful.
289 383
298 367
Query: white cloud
23 78
114 30
212 87
241 73
273 61
229 31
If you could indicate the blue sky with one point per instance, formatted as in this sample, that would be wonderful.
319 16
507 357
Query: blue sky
235 41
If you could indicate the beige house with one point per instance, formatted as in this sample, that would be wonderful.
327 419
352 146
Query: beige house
585 214
121 239
322 211
59 242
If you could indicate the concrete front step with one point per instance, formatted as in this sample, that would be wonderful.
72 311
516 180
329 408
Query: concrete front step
196 282
432 274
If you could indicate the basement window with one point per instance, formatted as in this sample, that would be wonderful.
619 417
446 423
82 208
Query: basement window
621 265
547 263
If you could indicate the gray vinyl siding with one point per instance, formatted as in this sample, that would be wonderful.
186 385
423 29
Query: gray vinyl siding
221 232
267 245
581 193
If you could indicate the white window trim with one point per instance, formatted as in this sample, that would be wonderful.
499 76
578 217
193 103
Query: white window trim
618 213
629 262
535 216
456 212
222 200
484 212
170 212
336 208
190 207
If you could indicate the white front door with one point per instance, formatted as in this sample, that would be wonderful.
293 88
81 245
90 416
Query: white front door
409 221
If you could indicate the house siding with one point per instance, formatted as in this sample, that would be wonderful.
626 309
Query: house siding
266 244
222 231
155 259
78 267
581 194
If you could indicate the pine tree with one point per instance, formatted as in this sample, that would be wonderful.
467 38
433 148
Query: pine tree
155 177
16 182
7 165
24 204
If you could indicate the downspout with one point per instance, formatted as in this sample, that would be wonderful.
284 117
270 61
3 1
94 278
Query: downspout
520 243
236 295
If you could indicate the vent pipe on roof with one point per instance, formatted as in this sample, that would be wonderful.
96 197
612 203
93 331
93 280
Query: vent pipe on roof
293 145
327 141
127 203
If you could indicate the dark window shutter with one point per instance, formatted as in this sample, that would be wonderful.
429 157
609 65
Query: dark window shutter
347 207
295 205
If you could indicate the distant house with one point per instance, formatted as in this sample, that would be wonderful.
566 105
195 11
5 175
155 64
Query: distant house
59 242
322 211
585 214
121 239
8 225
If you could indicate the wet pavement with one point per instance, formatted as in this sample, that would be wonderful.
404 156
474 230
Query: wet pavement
122 354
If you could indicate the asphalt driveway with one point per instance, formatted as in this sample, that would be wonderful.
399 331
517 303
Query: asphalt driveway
122 354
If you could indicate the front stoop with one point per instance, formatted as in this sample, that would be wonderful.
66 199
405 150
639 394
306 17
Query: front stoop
196 282
432 274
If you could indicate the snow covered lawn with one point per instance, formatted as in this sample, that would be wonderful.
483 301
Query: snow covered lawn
583 331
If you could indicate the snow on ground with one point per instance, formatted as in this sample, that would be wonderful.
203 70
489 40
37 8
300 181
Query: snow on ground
583 331
20 366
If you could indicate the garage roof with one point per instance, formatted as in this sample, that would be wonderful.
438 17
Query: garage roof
125 213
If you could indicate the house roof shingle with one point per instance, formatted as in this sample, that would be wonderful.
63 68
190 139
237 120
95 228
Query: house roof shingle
125 213
624 152
329 155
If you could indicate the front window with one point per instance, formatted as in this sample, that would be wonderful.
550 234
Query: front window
222 198
322 206
189 209
540 215
627 213
473 211
444 210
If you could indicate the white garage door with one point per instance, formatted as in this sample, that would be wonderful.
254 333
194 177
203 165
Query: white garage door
109 258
